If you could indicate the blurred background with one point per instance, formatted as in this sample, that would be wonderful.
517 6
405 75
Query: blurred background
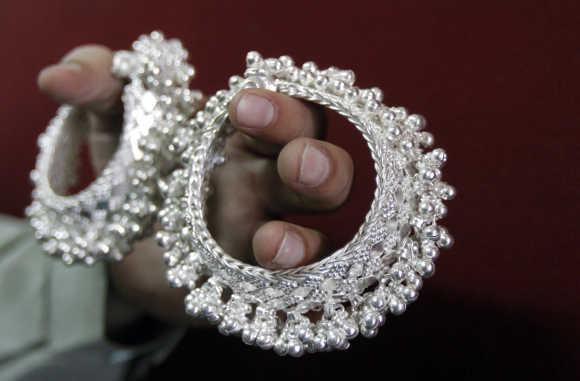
498 83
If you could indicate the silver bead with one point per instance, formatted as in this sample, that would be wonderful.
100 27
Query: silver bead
425 207
415 122
378 302
429 249
310 67
253 58
287 61
445 239
281 348
370 320
409 294
440 210
249 336
377 94
425 267
295 349
426 139
369 333
447 192
264 341
396 306
439 155
351 330
431 232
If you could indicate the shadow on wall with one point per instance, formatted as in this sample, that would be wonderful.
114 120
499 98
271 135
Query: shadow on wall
437 338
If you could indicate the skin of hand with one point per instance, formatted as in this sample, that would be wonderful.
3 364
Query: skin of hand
278 163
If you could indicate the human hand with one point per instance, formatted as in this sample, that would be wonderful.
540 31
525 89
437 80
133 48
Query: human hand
278 163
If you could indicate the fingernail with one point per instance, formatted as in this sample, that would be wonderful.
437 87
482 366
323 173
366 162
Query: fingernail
291 251
314 167
254 112
71 65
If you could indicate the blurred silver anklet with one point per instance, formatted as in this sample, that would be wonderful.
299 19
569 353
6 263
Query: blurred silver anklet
103 220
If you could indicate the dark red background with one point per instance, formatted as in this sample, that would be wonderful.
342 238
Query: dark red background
498 82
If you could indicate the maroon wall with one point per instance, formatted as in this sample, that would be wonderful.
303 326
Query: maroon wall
498 82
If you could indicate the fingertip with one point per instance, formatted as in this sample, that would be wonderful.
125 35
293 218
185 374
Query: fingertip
265 243
83 78
252 110
319 170
58 81
98 53
281 245
274 117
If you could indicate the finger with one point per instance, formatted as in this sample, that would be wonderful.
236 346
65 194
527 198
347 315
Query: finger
282 245
83 78
273 117
236 202
316 175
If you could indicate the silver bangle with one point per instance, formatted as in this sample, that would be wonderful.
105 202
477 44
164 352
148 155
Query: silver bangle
103 220
379 271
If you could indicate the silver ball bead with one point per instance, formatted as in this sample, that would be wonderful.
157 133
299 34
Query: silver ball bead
332 338
429 249
372 105
310 67
410 294
264 341
440 210
431 232
165 239
305 335
295 348
396 306
425 267
447 192
280 347
425 207
249 336
321 81
225 326
370 320
351 330
369 333
348 76
396 272
377 94
415 122
212 314
426 139
378 302
445 240
67 259
252 58
286 61
428 174
440 155
320 343
415 281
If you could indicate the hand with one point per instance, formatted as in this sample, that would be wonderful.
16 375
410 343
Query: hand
278 163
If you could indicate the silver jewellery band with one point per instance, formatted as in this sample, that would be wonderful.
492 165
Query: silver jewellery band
379 271
104 219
